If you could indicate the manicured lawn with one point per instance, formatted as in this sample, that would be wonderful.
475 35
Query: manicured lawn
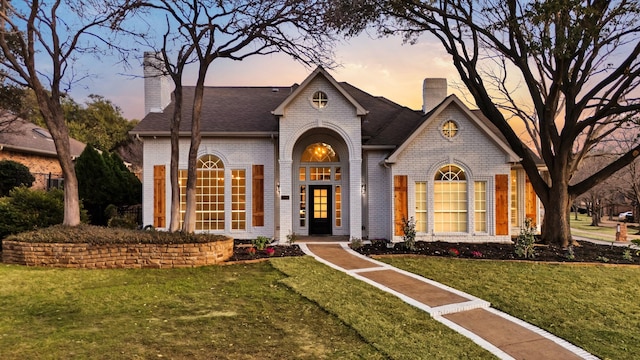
217 312
606 232
594 307
297 308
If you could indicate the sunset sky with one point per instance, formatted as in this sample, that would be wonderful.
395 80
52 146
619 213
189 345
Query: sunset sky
382 67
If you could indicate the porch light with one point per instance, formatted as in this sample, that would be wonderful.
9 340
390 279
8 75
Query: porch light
363 188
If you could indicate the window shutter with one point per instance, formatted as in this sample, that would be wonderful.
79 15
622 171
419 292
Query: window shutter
400 203
159 197
531 210
258 195
502 204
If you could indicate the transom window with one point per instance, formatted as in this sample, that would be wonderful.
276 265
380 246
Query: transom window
449 129
319 100
450 173
319 152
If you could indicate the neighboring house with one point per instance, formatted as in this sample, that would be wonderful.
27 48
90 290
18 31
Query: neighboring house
326 158
33 147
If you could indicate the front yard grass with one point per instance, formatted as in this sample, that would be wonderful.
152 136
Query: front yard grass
215 312
297 308
593 307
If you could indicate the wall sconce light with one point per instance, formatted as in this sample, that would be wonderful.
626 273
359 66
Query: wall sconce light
363 188
278 188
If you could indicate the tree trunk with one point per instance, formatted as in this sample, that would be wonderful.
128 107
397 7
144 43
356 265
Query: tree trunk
53 116
556 227
189 225
174 224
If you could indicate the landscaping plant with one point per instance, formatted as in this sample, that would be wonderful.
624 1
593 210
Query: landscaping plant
409 233
526 240
261 242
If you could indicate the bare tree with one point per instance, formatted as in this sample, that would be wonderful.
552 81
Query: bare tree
628 179
232 29
40 42
576 64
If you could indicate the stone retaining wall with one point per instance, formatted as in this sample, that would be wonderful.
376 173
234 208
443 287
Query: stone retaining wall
116 255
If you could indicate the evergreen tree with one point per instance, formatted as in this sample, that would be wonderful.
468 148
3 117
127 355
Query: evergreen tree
12 175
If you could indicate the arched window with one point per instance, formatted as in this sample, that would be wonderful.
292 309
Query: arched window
319 152
450 199
209 193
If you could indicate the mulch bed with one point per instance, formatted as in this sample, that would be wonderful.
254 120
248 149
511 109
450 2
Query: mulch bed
242 252
586 252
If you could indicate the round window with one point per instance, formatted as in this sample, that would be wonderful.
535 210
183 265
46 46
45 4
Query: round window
449 129
319 100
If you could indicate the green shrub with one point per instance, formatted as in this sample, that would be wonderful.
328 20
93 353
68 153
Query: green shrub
261 242
526 240
98 235
409 233
12 175
27 209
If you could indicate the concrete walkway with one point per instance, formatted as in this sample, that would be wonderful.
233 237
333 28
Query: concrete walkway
501 334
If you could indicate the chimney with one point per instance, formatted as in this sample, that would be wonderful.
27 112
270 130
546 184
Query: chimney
157 85
433 93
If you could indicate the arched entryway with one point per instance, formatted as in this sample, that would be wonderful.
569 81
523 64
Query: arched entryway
320 178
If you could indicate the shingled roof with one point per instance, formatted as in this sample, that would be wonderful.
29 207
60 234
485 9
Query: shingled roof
248 111
25 137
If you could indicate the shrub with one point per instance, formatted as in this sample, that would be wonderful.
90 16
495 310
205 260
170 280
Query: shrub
356 243
409 231
27 209
261 242
12 175
98 235
104 180
525 240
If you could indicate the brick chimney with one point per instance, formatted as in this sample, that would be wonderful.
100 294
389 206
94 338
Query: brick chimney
157 85
433 92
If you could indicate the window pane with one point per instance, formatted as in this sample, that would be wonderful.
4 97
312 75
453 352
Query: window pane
421 207
238 192
209 194
480 203
338 205
450 205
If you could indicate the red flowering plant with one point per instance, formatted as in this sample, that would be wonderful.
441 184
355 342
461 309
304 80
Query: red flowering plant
251 251
270 251
476 254
454 252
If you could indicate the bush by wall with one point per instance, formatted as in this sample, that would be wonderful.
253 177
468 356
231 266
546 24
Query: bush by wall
25 209
14 174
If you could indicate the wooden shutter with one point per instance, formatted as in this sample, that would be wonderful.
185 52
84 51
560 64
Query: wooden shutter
400 203
159 196
258 195
531 210
502 204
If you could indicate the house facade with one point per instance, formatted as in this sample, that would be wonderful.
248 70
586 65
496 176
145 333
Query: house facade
32 146
326 158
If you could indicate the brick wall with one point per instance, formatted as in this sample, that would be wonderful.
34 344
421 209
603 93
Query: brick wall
39 166
116 255
236 154
473 151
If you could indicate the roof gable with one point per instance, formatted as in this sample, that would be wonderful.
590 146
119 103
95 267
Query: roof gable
23 136
429 118
319 71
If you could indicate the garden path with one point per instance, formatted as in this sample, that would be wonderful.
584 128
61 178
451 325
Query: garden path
503 335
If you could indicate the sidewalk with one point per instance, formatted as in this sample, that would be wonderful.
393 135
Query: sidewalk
503 335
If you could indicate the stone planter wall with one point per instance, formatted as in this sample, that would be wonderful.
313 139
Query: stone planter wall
116 255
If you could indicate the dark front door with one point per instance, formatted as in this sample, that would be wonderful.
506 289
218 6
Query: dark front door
320 212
